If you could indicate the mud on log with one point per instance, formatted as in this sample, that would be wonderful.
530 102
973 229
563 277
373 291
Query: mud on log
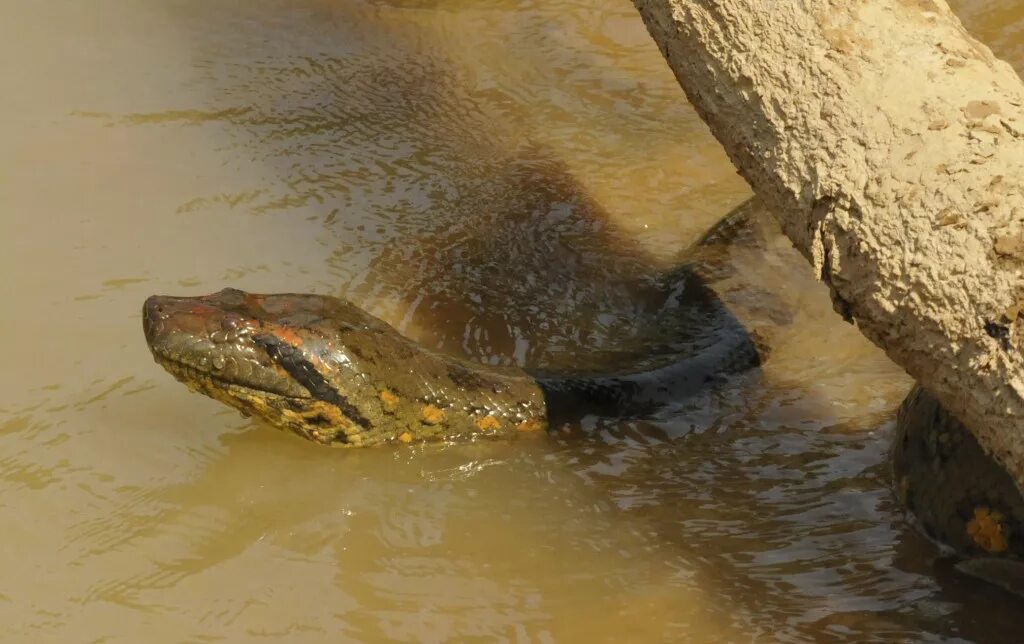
890 145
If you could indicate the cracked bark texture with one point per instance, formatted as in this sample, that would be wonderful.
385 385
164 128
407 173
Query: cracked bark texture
890 145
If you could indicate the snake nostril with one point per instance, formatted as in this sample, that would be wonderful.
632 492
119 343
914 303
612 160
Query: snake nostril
155 313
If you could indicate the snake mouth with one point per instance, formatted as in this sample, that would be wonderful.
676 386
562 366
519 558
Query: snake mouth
206 380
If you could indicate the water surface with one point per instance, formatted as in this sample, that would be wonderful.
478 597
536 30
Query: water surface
503 180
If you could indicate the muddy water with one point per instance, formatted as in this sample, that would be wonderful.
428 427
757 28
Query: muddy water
498 179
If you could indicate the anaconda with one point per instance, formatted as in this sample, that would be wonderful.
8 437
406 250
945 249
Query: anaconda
334 374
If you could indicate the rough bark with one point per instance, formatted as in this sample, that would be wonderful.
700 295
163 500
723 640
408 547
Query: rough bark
890 145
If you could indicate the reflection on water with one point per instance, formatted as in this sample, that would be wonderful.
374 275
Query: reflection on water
506 180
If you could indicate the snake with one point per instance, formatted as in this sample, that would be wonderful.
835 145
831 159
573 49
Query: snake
327 370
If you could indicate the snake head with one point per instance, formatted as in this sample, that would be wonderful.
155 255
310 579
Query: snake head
287 358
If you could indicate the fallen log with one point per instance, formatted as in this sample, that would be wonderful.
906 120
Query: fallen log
889 143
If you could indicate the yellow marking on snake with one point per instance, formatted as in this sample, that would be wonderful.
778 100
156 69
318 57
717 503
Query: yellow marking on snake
531 425
432 415
487 423
388 400
986 530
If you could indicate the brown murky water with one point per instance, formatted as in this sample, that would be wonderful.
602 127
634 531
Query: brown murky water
499 179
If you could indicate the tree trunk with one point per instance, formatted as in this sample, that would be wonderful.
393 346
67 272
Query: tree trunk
890 145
